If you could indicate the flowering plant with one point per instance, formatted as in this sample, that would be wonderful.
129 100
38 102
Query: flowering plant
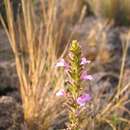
76 99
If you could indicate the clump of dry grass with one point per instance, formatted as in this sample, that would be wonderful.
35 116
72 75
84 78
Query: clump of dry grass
34 47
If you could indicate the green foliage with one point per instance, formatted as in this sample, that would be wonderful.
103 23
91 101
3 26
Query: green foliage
75 67
75 70
115 120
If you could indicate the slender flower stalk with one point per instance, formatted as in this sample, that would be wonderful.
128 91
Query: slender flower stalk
76 74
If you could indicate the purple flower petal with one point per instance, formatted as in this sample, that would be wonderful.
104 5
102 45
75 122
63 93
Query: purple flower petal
62 63
61 92
84 61
85 76
82 100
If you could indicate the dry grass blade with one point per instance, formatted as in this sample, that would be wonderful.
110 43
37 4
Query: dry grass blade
110 123
123 64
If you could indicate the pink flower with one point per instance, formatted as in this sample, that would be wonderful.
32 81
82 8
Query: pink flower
61 92
62 63
82 100
85 76
84 61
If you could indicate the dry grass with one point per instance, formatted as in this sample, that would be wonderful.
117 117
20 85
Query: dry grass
117 10
111 112
36 44
115 106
